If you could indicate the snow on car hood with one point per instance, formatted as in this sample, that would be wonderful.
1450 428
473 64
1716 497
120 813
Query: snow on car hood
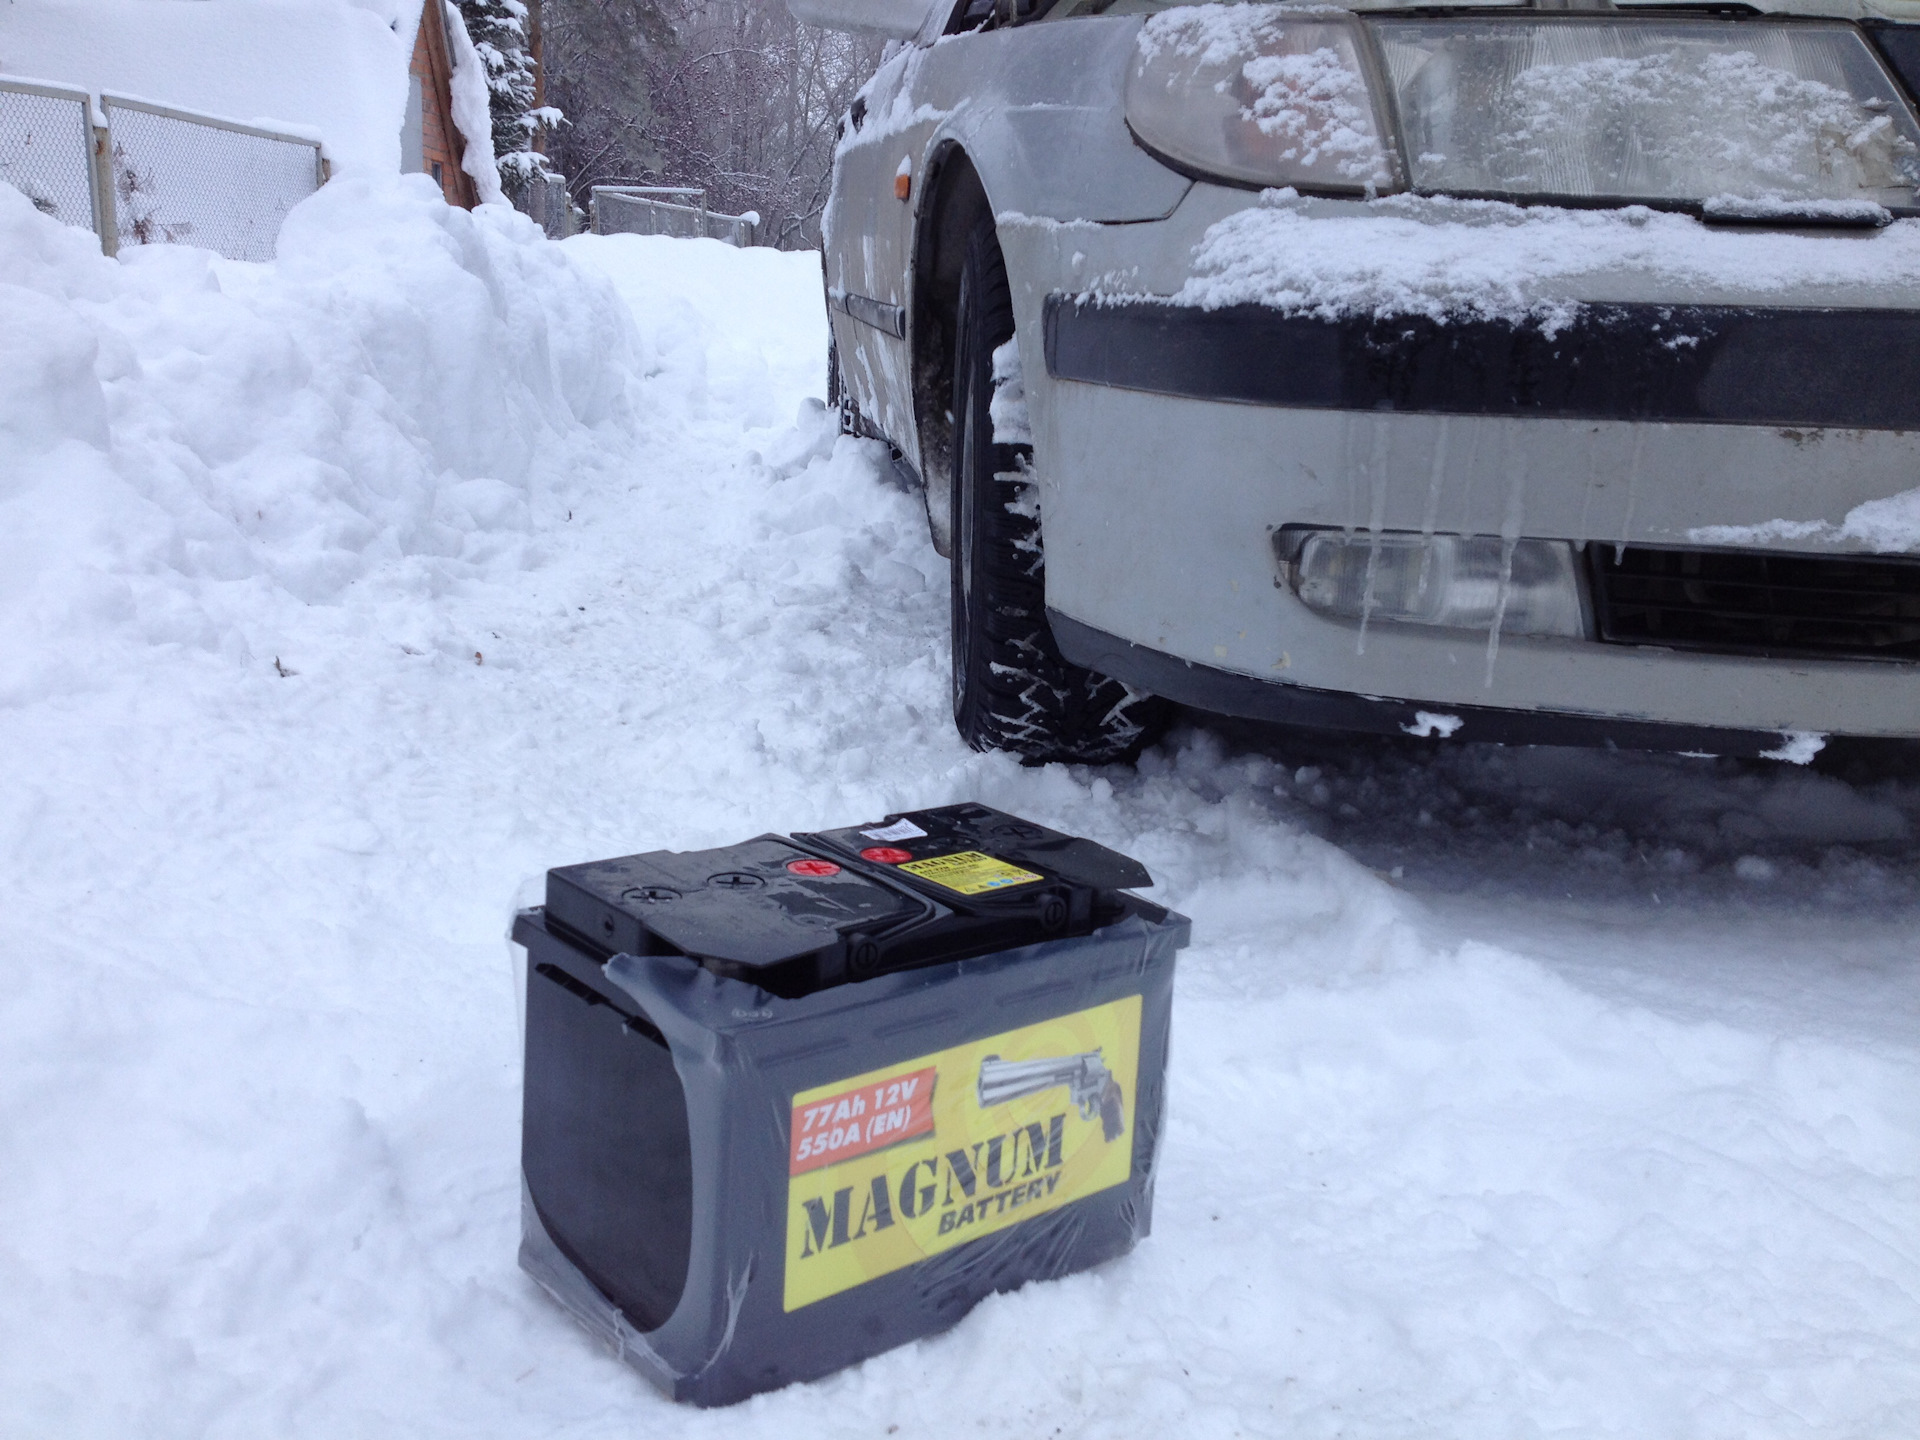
1440 257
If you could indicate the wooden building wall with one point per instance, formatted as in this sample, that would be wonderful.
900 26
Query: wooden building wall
441 145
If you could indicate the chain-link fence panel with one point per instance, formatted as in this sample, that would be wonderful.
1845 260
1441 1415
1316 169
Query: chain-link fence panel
185 180
641 210
45 140
546 203
616 214
736 230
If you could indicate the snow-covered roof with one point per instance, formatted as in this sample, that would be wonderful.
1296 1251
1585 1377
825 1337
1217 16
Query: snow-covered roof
333 70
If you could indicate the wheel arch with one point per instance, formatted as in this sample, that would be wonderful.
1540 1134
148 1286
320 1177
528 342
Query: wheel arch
956 200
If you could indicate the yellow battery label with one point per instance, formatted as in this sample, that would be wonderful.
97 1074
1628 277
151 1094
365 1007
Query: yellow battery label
948 1147
969 872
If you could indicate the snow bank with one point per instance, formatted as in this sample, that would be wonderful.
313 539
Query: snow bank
1438 257
334 69
188 443
1512 1092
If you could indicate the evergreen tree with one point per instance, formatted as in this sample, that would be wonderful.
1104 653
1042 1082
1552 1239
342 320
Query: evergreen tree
506 33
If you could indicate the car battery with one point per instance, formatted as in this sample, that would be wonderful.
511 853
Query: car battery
796 1101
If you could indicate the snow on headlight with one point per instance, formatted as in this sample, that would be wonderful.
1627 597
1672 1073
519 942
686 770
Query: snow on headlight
1741 119
1649 110
1263 94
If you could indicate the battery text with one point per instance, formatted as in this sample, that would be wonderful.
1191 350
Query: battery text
997 1203
895 1166
965 1186
859 1121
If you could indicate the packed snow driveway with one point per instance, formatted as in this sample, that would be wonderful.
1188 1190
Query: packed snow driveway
1513 1094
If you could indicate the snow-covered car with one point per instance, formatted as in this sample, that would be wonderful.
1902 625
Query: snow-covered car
1522 374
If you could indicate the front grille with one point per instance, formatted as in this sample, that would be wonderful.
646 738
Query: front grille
1751 602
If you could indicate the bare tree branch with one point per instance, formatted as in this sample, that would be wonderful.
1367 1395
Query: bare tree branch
730 95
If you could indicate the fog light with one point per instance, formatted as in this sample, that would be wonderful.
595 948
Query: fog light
1460 582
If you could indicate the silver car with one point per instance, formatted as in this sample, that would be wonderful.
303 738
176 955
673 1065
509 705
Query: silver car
1520 374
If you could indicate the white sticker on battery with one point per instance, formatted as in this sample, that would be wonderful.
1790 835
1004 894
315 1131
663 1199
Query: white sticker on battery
899 830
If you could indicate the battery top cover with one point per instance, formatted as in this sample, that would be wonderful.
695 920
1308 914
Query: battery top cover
797 914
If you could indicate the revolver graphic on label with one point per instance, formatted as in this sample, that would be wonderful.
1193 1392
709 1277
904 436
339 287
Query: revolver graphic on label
1090 1085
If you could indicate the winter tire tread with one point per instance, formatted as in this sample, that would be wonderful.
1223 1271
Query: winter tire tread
1012 689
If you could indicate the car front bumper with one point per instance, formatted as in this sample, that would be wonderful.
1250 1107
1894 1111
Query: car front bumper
1172 441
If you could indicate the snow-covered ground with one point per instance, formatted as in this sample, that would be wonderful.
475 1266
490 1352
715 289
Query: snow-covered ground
1514 1093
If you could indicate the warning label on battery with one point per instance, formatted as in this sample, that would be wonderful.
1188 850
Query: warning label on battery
893 1166
970 872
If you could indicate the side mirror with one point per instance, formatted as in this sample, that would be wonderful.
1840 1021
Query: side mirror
896 19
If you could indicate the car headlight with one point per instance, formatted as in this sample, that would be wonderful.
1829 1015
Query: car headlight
1747 118
1260 94
1668 110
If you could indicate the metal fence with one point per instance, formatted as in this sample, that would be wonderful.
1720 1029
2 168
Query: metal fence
185 179
545 202
47 150
152 175
676 210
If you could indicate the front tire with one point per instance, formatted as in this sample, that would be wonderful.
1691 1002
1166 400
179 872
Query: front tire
838 400
1012 689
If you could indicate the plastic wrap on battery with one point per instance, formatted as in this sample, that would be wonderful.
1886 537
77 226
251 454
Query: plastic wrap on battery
525 897
818 1242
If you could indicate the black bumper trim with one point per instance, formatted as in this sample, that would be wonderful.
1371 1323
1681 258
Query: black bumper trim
1713 364
1224 692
